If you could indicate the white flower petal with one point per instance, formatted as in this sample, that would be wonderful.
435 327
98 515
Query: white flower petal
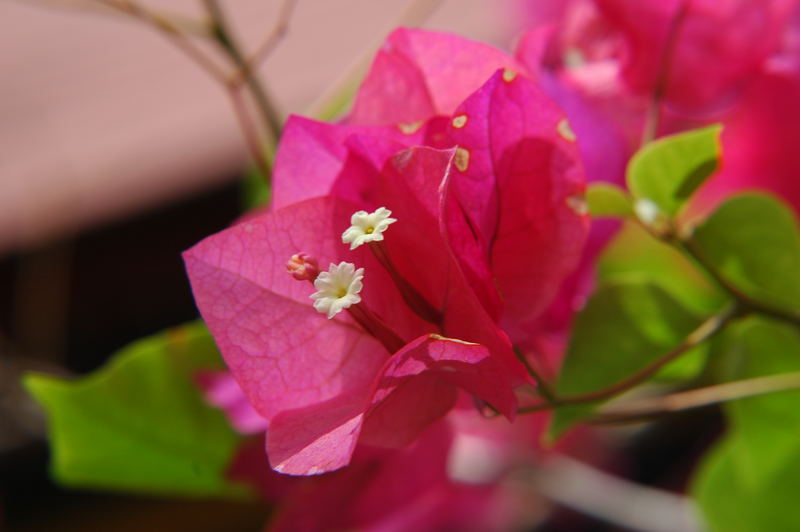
337 288
367 227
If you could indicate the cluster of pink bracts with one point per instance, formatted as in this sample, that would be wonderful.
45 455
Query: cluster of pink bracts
489 256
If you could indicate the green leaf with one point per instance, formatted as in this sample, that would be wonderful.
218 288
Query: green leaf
751 479
635 255
623 328
608 201
730 505
753 241
140 424
688 366
669 170
767 423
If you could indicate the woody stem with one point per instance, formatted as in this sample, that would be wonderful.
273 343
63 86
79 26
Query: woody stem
706 330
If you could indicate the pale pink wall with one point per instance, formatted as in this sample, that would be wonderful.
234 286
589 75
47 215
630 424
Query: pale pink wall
100 117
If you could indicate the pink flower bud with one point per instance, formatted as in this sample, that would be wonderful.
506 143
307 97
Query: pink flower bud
303 267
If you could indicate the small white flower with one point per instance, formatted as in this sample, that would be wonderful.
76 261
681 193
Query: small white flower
338 288
367 227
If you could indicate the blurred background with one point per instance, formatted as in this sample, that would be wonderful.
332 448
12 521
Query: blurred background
117 152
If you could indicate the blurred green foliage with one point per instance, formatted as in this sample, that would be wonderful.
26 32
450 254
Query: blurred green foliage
608 201
140 424
753 241
624 327
751 478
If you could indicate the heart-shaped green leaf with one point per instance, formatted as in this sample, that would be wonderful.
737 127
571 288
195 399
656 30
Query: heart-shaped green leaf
140 424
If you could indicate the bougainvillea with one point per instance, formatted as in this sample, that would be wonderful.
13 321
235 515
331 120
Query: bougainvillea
487 223
424 283
624 61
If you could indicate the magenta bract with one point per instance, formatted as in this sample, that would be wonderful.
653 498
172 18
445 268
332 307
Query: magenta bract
487 192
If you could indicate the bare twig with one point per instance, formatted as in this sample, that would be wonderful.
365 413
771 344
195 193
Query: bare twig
187 25
657 406
172 32
270 43
249 131
653 115
690 248
706 330
228 44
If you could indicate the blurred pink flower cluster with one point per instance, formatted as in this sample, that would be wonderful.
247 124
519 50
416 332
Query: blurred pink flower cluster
480 158
695 62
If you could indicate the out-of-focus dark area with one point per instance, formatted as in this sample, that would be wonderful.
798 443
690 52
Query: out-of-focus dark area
71 304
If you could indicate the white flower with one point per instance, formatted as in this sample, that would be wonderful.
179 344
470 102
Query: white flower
338 288
367 227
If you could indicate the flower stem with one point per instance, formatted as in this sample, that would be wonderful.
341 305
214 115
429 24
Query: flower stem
706 330
690 248
270 42
375 327
653 113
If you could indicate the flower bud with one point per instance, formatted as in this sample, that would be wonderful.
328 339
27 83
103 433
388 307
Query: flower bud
303 267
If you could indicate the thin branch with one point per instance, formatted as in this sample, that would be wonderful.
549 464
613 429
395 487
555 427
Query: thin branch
270 43
225 40
174 33
187 25
690 248
174 29
647 408
706 330
250 131
653 115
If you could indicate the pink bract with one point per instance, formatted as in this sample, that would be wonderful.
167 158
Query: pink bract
490 223
420 74
222 391
759 143
451 477
531 230
314 380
